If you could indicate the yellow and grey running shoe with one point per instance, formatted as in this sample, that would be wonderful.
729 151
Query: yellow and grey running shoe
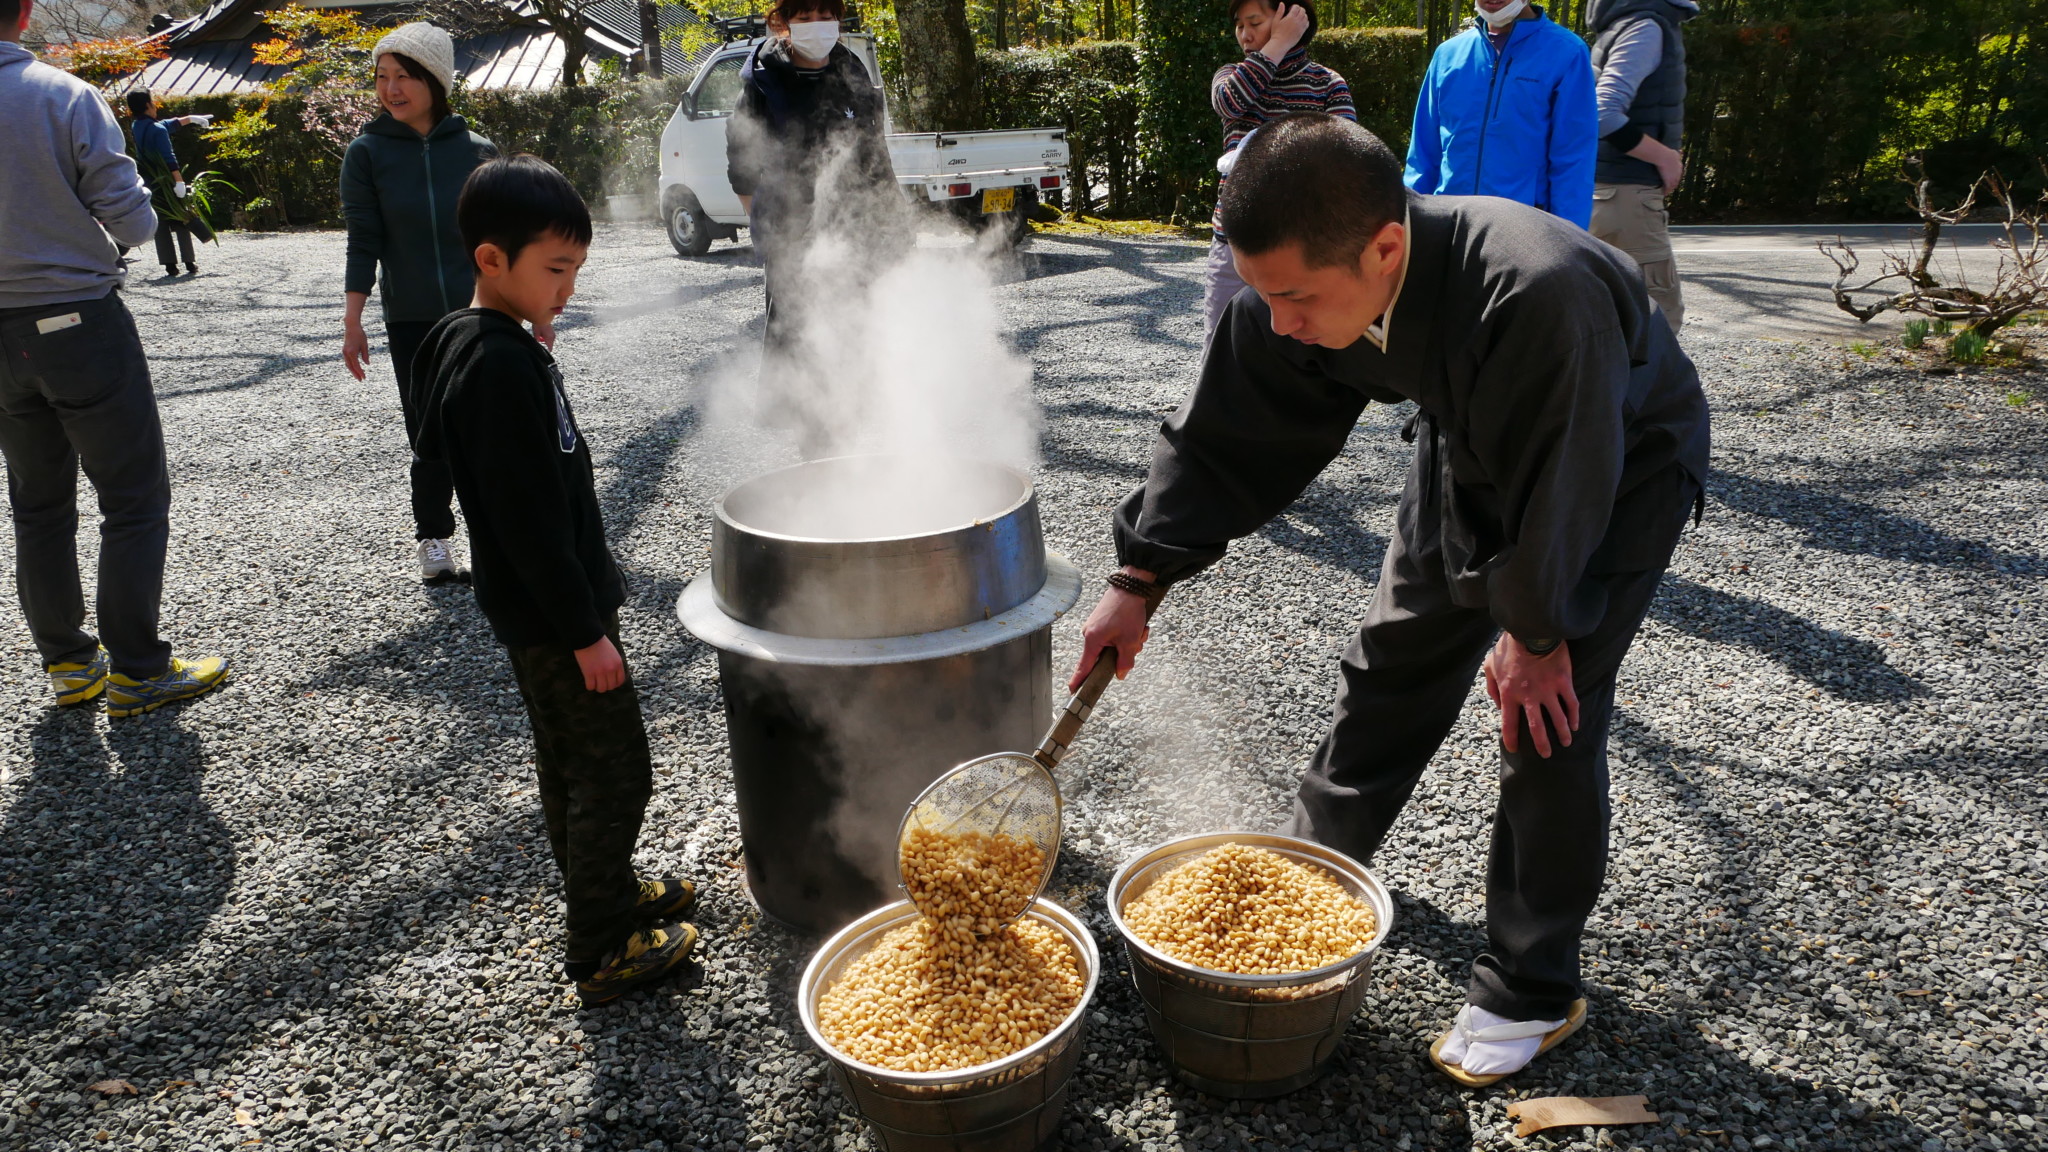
182 681
77 683
663 899
648 956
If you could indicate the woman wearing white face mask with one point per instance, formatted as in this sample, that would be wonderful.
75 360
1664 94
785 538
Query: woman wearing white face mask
806 152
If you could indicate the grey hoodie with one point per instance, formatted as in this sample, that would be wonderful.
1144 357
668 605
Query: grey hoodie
71 189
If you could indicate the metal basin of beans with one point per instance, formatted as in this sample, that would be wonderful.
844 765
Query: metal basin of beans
1250 952
958 1026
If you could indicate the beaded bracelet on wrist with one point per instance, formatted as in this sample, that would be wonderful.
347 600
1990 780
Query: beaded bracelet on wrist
1145 590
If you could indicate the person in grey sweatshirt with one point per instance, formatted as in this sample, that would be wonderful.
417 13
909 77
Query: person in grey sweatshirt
75 389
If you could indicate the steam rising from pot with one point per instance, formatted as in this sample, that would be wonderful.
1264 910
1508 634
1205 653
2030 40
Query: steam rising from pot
884 342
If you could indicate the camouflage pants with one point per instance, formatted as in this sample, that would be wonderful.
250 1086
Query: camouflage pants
595 776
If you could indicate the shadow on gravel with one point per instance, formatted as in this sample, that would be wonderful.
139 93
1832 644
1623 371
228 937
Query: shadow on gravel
84 855
1845 667
1857 529
1141 309
680 296
1326 524
730 1069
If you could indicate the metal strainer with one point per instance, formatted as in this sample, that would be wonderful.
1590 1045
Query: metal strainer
1008 795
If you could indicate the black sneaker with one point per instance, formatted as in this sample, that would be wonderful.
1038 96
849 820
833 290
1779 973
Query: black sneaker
647 957
191 269
663 899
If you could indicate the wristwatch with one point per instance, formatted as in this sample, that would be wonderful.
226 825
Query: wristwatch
1539 647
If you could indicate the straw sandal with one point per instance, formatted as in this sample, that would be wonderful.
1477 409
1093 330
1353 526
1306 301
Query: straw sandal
1574 1019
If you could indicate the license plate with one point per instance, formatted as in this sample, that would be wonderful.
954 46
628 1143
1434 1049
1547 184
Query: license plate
999 200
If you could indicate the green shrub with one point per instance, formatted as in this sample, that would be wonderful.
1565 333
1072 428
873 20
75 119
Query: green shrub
1968 347
1182 43
1090 89
605 138
1916 332
1384 68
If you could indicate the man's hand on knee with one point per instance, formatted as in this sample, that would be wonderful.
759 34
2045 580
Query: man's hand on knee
1534 688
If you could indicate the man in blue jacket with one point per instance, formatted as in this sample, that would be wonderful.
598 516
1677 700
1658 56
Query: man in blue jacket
1507 109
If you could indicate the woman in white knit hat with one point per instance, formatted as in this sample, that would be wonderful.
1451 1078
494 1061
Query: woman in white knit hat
400 180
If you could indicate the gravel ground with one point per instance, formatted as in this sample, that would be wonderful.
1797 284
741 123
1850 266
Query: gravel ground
316 910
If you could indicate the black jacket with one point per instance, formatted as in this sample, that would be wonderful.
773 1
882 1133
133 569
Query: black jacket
491 404
398 193
809 146
1566 432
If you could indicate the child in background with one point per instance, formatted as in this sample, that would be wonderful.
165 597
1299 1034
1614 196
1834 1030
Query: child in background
492 405
1274 79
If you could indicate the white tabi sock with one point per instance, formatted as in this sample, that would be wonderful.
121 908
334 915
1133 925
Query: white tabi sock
1488 1044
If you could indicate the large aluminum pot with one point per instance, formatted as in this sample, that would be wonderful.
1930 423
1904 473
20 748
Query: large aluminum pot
1008 1105
878 619
1247 1037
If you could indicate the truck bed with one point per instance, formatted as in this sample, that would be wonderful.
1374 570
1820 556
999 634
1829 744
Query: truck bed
921 156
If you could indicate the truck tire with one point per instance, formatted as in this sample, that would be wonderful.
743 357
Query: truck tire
689 229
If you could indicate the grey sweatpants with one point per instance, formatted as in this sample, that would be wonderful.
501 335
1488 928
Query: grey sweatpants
1220 284
1404 679
75 389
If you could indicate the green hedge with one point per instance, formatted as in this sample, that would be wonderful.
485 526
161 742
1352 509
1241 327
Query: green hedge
1812 117
605 138
1091 89
1783 119
1182 42
1384 68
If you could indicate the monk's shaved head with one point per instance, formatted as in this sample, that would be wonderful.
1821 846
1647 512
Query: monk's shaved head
1315 180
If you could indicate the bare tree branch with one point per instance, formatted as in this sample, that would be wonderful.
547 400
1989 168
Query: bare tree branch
2019 286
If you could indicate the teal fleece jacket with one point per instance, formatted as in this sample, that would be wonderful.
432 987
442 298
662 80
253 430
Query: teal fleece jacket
398 194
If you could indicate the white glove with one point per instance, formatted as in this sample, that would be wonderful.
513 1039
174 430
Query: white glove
204 120
181 190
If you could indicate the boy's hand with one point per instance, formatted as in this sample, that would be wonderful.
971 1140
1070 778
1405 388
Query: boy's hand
544 331
603 668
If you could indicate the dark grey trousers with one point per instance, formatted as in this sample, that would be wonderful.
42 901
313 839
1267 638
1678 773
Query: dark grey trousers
1404 679
596 775
433 488
165 232
75 389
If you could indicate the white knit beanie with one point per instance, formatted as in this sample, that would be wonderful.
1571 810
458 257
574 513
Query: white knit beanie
432 47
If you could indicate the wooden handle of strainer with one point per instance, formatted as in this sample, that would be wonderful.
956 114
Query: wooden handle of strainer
1067 724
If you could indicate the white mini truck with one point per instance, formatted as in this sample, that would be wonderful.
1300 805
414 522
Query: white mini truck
990 179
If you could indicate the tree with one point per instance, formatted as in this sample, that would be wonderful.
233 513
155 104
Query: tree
76 21
941 78
565 19
2019 287
101 61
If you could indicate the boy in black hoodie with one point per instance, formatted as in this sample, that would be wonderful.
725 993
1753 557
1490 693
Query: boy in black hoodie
492 406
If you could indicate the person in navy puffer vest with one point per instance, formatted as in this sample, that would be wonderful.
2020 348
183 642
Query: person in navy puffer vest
1506 109
1639 53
